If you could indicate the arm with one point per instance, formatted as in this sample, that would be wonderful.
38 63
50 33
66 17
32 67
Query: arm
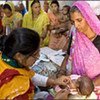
19 24
44 26
62 95
45 31
40 80
62 70
24 22
44 35
63 66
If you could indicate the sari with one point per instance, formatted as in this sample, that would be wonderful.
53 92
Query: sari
57 41
37 24
84 57
12 20
15 83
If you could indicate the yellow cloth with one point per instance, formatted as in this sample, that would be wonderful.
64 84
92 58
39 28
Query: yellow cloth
14 19
37 24
18 85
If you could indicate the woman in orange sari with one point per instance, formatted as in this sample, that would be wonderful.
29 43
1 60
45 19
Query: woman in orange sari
20 49
58 27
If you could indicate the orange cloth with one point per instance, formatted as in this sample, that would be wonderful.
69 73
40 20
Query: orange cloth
16 86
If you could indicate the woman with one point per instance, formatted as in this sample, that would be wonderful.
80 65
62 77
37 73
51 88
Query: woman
57 27
84 56
12 19
46 6
20 49
36 19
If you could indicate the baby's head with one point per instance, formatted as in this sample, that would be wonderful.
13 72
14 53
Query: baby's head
85 85
65 9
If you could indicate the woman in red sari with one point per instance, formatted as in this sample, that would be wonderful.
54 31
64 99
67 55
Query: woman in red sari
20 50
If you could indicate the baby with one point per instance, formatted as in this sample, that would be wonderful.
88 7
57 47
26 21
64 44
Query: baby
81 87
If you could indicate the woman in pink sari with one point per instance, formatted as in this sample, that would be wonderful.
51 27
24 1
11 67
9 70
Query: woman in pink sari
84 56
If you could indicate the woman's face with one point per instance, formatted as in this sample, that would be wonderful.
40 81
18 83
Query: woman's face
27 60
54 8
36 7
79 21
7 12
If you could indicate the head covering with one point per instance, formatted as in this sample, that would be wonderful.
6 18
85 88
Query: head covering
11 5
30 8
84 56
89 15
37 24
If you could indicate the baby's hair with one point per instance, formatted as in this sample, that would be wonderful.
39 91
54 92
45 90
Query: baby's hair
68 7
86 85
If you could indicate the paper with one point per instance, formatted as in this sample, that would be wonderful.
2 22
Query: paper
53 55
47 51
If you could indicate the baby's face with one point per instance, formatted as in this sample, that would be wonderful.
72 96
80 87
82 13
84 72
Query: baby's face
77 82
65 10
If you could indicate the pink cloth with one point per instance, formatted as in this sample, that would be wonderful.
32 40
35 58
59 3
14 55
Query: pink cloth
57 41
84 55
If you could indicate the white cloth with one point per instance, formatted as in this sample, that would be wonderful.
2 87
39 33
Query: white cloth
80 97
39 80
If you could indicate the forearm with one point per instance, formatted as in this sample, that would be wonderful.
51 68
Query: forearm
50 82
63 65
44 81
41 80
62 70
44 33
19 23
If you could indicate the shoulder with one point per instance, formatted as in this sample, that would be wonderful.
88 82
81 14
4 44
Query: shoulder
18 15
28 14
44 14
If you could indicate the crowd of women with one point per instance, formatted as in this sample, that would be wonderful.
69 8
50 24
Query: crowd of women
38 20
75 29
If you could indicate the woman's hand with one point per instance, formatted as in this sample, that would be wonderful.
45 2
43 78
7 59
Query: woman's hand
63 80
62 95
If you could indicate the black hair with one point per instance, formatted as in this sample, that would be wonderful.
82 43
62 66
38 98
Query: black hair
35 1
86 86
21 40
74 9
55 2
68 7
6 6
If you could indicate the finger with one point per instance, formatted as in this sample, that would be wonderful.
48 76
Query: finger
63 83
